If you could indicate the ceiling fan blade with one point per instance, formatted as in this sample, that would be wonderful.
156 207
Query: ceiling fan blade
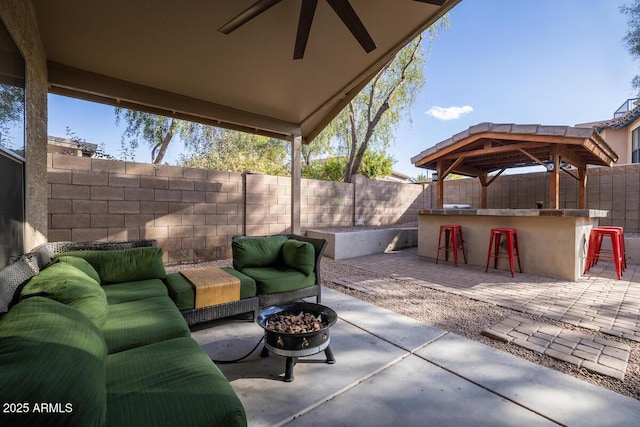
433 2
248 14
307 10
344 10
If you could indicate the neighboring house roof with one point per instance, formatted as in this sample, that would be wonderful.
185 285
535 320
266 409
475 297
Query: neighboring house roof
625 118
398 176
86 149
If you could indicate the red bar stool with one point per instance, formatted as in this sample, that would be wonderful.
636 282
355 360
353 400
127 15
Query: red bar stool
622 250
595 252
511 240
451 243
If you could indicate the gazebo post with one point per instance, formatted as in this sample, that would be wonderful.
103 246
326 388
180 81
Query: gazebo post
483 193
440 185
582 187
554 182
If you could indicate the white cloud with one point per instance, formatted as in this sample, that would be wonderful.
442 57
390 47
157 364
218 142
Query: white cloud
448 113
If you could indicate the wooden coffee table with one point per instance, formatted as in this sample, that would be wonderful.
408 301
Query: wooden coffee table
212 286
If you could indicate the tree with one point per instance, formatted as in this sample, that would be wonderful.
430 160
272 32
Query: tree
632 37
223 149
370 119
156 131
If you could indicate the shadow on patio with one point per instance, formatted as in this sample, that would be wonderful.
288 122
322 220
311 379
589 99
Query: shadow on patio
395 370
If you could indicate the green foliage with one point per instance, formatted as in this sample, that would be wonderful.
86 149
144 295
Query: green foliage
331 169
223 149
632 37
376 164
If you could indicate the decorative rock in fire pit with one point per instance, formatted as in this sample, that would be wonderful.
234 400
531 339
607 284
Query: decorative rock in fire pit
295 330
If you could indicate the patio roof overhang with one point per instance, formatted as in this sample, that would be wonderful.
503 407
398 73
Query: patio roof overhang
487 148
168 57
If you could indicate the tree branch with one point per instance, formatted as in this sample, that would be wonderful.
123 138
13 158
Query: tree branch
165 143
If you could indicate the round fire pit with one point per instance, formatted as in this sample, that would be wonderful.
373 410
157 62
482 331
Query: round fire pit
295 330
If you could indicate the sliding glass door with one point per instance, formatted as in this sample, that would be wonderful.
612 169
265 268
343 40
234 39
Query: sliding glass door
12 148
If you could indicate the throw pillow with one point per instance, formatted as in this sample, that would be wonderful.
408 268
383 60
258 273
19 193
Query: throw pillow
12 279
82 265
64 283
256 251
124 265
299 255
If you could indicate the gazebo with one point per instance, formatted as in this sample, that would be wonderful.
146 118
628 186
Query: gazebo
486 150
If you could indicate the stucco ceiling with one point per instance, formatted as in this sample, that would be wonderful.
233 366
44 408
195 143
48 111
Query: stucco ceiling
168 57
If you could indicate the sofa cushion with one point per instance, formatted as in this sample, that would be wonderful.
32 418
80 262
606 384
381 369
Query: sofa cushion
82 265
299 255
66 284
137 323
118 293
12 278
51 353
257 251
128 265
181 291
271 280
248 287
171 383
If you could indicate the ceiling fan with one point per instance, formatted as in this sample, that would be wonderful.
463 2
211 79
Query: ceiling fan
341 7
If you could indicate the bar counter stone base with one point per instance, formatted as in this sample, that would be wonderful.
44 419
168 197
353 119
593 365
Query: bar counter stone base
553 242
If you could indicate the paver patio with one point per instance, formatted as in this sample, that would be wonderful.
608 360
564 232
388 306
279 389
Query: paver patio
597 301
591 352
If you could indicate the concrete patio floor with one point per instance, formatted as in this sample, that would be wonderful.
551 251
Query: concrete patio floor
393 370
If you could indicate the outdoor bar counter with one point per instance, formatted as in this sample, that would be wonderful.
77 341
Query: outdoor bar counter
552 242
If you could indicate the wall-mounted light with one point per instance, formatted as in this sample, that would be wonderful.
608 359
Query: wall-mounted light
551 166
434 176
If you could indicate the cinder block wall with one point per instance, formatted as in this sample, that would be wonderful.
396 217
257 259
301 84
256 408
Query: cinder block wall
326 204
615 189
382 202
194 213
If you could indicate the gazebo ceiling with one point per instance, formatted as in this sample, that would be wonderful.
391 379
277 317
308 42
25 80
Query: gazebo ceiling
489 147
169 57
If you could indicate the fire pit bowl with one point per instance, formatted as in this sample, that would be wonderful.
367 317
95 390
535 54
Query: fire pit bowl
297 344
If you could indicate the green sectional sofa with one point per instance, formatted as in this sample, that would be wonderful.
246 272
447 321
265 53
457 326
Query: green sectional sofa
271 269
90 337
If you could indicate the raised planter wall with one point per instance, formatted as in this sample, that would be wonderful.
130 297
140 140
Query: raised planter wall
350 244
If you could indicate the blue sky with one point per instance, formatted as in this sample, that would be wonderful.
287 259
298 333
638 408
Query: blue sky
551 62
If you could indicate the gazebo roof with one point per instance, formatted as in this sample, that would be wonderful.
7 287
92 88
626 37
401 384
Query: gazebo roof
170 57
489 147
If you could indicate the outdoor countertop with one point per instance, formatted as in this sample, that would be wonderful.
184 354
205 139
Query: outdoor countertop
590 213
